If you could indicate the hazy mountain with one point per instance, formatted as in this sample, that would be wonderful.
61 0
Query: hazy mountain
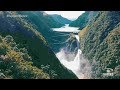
61 19
83 19
44 17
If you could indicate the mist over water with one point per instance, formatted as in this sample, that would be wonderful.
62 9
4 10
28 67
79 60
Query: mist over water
68 60
77 63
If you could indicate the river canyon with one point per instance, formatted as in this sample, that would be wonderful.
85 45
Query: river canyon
75 62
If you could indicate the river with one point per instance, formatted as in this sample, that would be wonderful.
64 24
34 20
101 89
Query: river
66 28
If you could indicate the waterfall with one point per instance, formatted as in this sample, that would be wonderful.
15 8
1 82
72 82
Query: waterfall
77 64
84 67
73 65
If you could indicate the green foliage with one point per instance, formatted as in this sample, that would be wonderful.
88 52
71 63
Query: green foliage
83 20
0 38
43 17
101 42
30 45
61 19
8 39
2 49
43 24
14 65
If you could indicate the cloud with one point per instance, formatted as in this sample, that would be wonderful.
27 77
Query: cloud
67 14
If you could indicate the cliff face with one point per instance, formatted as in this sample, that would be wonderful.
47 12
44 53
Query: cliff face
26 36
100 42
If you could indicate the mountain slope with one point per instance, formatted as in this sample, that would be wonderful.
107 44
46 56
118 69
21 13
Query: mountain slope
100 42
27 36
61 19
38 20
16 63
45 18
83 19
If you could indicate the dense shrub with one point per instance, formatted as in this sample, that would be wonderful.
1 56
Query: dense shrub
28 33
14 65
101 42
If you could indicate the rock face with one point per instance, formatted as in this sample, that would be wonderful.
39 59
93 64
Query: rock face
100 43
27 36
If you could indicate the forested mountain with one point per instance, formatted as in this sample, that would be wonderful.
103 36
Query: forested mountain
83 19
61 19
42 17
28 44
24 52
39 21
100 43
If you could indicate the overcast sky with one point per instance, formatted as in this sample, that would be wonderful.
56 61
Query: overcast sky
67 14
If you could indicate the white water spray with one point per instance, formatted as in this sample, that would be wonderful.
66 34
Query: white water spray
79 65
